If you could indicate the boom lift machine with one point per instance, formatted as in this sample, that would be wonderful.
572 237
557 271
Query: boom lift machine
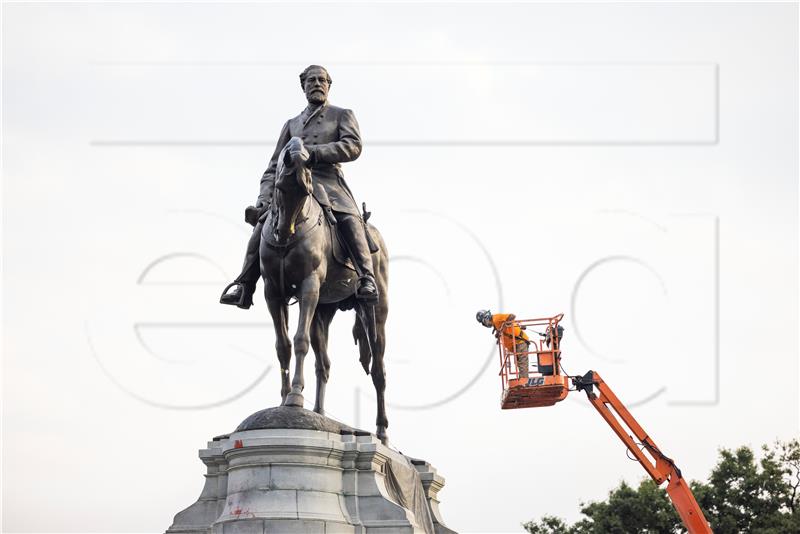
545 384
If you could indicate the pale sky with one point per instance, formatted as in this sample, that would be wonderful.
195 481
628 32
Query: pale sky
634 166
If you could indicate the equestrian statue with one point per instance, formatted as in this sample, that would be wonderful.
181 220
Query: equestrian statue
310 242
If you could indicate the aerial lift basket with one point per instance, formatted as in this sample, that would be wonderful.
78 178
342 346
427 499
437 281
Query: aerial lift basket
544 384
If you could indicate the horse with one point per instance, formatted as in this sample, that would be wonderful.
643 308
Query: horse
298 260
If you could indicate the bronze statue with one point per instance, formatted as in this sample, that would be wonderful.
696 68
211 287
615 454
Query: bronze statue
315 246
331 136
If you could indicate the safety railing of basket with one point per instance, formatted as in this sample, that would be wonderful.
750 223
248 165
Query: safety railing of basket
532 327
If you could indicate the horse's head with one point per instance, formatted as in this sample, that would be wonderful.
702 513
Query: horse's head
292 187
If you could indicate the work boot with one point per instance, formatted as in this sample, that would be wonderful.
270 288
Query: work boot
238 296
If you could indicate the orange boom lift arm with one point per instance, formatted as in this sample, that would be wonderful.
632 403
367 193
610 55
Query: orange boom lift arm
542 383
657 465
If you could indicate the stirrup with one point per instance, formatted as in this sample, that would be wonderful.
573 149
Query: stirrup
367 298
242 295
372 297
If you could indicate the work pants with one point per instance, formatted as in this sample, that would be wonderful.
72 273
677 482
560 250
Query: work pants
522 359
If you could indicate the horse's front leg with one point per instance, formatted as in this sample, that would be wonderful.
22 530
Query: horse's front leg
319 342
283 346
308 297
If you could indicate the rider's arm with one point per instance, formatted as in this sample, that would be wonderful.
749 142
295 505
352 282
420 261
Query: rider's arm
268 179
347 148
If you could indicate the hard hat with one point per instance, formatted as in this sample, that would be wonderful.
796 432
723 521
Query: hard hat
483 316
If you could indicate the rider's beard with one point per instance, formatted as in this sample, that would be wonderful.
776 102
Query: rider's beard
315 98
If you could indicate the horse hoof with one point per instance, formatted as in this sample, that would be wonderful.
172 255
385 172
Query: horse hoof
320 411
294 399
382 435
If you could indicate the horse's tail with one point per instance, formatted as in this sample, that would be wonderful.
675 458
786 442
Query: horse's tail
369 328
360 338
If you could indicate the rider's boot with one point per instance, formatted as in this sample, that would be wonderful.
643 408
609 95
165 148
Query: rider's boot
352 229
238 294
367 289
240 291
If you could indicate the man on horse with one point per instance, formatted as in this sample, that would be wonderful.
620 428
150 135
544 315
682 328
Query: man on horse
331 136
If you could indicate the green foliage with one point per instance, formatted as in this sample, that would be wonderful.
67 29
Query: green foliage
760 497
741 495
646 509
627 510
548 525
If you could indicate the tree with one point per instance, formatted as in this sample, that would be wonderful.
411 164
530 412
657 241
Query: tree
741 495
548 525
627 510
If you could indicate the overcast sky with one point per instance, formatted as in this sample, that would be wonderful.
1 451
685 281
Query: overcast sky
634 166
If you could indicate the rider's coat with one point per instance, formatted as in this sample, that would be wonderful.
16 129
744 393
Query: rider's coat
332 135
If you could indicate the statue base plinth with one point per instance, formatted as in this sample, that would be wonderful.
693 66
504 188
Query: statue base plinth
290 470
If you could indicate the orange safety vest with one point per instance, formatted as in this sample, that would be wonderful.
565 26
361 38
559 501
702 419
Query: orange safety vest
511 334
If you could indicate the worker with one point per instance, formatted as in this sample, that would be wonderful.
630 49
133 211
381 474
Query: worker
514 339
549 334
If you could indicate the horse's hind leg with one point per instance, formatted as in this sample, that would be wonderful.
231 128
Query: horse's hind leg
319 342
308 298
378 370
280 320
378 373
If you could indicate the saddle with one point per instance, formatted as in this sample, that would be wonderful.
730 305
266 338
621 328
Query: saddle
339 248
340 253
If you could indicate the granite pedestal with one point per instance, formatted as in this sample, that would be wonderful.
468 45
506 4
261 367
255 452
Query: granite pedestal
290 470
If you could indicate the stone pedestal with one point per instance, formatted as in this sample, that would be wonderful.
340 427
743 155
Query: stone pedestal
289 470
